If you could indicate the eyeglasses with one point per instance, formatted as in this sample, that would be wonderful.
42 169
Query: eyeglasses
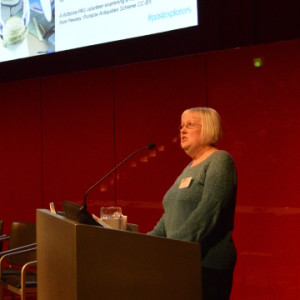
189 125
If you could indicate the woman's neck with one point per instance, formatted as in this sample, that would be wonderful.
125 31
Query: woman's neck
202 154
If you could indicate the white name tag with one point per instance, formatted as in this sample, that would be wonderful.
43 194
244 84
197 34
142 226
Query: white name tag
185 182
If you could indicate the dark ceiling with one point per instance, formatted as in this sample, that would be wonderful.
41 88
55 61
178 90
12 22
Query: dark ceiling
223 24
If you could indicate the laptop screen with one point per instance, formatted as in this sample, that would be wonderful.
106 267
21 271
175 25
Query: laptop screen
76 212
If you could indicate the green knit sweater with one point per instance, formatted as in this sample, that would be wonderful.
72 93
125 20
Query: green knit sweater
200 207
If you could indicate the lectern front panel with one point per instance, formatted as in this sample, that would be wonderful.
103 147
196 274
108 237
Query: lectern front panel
111 264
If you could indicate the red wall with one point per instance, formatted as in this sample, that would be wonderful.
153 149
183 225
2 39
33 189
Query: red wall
60 134
260 109
20 150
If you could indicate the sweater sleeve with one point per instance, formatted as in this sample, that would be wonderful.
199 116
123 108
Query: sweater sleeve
217 201
159 229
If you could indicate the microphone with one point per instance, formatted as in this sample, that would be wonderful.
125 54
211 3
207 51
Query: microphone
83 214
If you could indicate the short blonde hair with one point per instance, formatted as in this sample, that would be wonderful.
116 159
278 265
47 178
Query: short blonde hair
210 122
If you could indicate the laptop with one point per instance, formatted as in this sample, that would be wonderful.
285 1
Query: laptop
76 212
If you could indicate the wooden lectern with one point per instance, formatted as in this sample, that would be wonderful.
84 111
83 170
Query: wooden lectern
84 262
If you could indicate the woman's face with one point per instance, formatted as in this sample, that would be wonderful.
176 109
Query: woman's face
190 134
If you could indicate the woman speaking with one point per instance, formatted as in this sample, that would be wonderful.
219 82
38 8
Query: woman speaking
200 205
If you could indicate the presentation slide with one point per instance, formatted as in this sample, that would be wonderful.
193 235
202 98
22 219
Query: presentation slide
37 27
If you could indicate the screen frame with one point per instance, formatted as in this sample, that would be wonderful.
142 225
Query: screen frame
179 42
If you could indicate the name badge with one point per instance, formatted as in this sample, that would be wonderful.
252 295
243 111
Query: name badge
185 183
